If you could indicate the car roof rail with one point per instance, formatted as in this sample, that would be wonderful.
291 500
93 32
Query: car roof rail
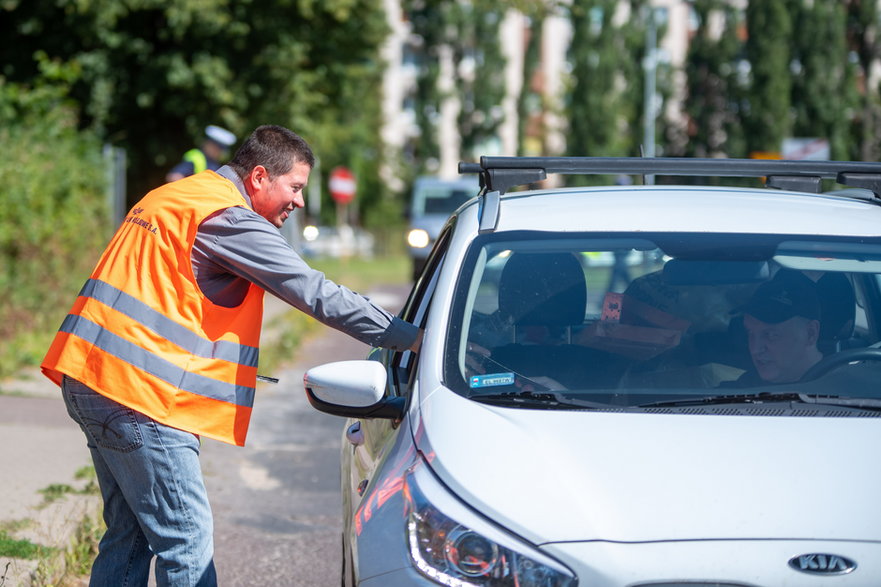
854 193
502 173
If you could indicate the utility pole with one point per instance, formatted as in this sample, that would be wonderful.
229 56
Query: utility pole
650 65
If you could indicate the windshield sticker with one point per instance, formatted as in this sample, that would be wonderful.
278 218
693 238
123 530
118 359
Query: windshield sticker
494 380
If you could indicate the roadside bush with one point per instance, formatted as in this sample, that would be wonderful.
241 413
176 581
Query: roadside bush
53 217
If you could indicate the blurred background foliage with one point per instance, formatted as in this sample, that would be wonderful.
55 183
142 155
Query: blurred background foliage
53 214
148 75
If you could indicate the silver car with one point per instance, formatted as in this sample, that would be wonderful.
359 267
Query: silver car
432 201
609 392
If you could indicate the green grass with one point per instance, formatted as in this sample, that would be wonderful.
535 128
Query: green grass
81 554
280 342
15 548
56 491
26 348
88 474
78 555
360 274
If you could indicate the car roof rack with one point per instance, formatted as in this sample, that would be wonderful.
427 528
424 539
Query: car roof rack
499 174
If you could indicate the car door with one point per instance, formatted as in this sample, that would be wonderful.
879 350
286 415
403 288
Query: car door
370 440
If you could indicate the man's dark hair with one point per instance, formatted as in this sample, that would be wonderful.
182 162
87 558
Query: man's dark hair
275 148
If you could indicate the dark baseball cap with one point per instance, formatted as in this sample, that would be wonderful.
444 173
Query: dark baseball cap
787 295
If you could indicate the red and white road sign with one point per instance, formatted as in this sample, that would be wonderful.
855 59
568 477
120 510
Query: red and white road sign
342 185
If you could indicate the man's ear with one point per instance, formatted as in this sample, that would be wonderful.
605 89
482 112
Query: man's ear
257 176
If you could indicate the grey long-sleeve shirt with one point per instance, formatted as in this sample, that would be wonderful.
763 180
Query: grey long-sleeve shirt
236 246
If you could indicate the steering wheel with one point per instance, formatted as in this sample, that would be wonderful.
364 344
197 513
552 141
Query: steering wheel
826 364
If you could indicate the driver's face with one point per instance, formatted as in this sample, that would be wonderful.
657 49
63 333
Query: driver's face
782 352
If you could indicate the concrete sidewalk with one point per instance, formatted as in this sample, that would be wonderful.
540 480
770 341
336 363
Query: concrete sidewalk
43 449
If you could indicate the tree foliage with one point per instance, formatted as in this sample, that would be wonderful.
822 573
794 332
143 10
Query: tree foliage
531 101
483 87
430 21
864 42
824 93
767 120
469 32
606 81
53 213
152 73
714 95
754 74
805 61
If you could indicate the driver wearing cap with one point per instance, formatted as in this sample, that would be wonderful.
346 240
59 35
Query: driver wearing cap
782 321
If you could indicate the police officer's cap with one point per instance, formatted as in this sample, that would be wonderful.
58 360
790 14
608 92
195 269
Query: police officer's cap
219 135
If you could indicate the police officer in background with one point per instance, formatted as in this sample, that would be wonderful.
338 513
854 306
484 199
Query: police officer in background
214 148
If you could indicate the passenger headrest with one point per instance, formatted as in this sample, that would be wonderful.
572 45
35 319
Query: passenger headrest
543 289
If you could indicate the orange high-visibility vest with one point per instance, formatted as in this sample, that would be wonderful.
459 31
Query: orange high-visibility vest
142 333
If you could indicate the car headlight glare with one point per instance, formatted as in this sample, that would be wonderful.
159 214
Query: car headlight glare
310 233
418 238
471 553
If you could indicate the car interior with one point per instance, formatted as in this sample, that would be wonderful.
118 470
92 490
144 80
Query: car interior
648 314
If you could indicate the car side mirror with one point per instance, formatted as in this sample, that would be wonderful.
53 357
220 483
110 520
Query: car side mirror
352 389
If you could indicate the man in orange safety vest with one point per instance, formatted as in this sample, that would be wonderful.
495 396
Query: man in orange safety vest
161 347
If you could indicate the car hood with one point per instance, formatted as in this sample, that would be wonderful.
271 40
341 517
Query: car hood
555 476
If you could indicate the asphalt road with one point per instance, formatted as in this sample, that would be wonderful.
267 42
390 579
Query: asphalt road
276 502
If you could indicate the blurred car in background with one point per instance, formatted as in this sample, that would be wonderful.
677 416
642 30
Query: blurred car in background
431 203
592 404
336 241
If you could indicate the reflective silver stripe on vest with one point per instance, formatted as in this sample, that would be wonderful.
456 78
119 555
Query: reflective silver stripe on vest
168 328
134 355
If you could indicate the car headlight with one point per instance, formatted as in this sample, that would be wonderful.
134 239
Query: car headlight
418 238
457 547
310 233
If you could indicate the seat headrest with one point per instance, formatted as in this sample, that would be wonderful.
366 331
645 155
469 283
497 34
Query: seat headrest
837 306
543 289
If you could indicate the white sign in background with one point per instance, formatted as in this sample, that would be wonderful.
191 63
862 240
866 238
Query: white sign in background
812 149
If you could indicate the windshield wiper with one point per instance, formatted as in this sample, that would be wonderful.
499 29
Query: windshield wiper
863 403
751 398
536 399
866 403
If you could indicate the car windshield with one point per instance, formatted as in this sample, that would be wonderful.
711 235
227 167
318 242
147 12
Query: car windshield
635 319
441 199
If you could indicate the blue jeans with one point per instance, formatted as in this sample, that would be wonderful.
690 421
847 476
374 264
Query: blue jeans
155 501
